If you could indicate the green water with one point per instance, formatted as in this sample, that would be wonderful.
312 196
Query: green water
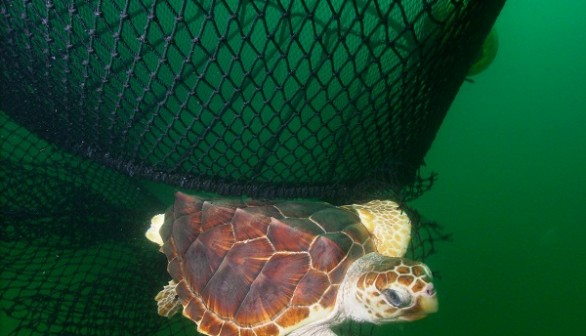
511 156
512 161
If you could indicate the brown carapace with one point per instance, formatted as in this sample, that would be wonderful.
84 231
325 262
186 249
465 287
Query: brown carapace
246 267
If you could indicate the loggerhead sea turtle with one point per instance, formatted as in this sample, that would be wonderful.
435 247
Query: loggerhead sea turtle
246 267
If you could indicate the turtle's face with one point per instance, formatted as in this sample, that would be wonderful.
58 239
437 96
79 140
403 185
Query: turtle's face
396 290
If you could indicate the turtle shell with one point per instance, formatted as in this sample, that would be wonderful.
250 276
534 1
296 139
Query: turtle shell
258 268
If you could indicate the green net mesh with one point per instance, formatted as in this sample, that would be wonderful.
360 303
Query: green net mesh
265 98
337 100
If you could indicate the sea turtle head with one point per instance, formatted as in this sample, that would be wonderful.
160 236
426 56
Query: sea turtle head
390 290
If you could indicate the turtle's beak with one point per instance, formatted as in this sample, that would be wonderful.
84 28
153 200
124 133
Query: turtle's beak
428 304
428 301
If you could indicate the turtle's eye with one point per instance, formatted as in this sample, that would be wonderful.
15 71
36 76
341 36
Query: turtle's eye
397 298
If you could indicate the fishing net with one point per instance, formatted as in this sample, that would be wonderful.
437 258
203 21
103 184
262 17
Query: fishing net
105 103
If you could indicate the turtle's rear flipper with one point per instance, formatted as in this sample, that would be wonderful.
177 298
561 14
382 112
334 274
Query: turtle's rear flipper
167 300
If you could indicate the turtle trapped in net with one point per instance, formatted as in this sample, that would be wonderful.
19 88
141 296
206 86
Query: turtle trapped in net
245 267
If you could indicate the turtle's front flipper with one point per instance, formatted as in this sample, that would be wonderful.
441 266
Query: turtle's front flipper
318 331
387 223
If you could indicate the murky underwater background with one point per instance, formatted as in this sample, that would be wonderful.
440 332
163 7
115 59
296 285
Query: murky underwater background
511 158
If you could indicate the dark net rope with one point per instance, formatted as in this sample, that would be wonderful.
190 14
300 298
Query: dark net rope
74 257
73 261
336 100
265 98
